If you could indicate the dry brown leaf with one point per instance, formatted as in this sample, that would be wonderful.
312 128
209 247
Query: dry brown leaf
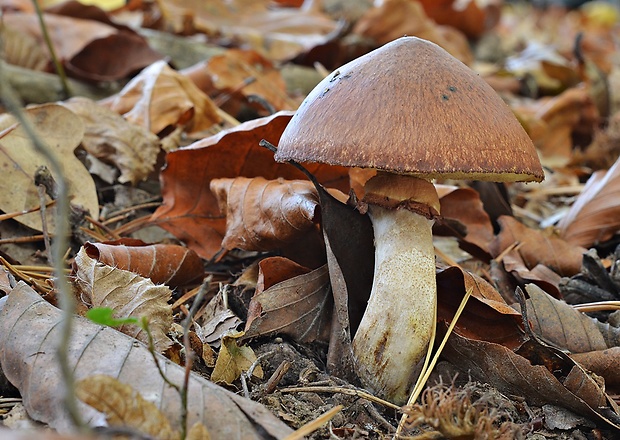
226 73
516 375
21 49
111 139
89 49
234 360
29 334
394 18
473 18
595 216
563 115
278 33
604 363
123 406
264 215
62 131
298 307
464 205
159 97
189 210
168 264
538 247
560 324
129 295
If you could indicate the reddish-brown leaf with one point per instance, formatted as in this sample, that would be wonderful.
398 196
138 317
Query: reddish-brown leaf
464 205
595 216
299 307
230 72
168 264
486 316
264 215
29 337
392 19
189 209
537 247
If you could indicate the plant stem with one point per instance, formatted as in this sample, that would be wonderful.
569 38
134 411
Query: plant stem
60 243
48 41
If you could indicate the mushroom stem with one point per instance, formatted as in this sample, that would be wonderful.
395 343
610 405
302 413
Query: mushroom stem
396 328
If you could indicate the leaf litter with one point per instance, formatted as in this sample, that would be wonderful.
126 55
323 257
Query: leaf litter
290 266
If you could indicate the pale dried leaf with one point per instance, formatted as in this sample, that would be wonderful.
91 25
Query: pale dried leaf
262 214
21 49
233 360
123 406
278 33
29 337
198 432
595 216
128 294
113 140
62 131
159 97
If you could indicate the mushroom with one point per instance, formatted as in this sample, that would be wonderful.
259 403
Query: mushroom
414 113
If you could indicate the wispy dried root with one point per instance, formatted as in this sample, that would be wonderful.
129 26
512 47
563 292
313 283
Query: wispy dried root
450 413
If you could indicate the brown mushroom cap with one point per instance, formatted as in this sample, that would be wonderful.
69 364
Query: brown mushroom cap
409 107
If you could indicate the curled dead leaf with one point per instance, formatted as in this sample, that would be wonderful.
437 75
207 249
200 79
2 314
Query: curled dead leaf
168 264
263 215
594 217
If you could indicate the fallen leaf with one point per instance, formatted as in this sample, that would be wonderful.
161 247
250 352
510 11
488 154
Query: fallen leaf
189 210
168 264
123 406
128 294
230 72
538 247
159 97
464 205
298 307
233 360
603 363
593 218
89 49
20 49
62 131
111 139
515 375
392 19
560 324
350 261
473 18
278 33
264 215
29 334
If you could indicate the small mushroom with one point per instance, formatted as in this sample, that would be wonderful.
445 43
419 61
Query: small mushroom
414 113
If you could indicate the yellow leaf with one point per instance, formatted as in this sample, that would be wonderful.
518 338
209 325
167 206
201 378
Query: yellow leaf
123 406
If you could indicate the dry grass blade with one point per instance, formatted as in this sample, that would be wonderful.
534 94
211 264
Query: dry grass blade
312 426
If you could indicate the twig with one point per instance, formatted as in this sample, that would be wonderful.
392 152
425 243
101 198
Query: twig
46 235
189 357
59 245
48 41
277 376
11 215
315 424
342 390
600 306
